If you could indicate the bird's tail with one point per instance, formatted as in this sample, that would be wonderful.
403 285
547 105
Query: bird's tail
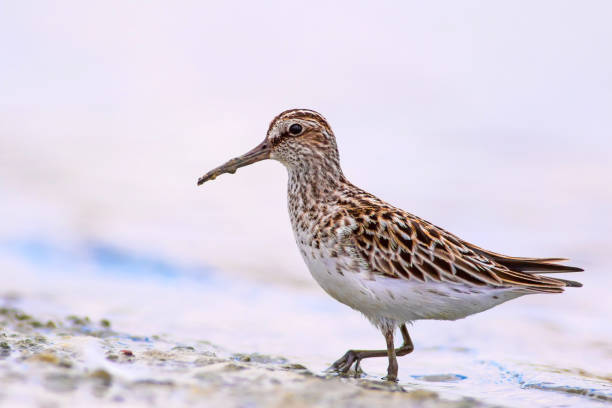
531 266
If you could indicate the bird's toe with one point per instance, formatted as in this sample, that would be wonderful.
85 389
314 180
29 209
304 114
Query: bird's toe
344 363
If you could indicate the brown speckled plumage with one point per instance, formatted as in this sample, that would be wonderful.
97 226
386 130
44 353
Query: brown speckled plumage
385 262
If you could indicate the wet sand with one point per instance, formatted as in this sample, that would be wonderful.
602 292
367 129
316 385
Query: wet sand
74 361
94 326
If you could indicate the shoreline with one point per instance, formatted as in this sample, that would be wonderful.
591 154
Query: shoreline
84 363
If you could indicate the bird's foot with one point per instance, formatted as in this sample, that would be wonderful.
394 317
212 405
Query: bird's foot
358 371
344 364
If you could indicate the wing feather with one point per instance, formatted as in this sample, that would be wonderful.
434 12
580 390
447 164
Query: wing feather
399 245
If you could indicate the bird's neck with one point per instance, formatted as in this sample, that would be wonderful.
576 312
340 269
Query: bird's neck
314 183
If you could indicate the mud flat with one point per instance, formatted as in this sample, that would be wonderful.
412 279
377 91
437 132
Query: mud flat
161 334
74 361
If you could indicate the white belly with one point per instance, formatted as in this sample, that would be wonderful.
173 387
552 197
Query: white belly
400 300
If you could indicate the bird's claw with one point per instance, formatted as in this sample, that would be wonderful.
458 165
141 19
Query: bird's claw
344 364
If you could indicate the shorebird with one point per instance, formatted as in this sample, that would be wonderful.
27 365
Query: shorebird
392 266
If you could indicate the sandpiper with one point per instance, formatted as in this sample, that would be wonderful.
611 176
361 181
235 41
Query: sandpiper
388 264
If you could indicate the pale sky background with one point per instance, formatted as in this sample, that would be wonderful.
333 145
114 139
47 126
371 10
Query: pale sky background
492 119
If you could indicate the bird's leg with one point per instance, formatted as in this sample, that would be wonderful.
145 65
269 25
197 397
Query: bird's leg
344 364
407 346
392 368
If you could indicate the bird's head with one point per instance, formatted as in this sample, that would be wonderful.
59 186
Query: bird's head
299 138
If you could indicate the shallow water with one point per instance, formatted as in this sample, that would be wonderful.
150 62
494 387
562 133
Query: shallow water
548 351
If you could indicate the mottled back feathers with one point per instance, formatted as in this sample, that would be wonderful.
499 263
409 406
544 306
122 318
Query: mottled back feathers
400 245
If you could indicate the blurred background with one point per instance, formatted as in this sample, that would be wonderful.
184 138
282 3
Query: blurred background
490 119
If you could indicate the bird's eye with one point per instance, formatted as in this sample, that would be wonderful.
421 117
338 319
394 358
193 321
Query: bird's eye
295 129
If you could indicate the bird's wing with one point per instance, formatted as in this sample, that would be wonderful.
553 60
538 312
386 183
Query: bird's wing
399 245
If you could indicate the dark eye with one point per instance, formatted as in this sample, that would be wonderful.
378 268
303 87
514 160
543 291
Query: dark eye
295 129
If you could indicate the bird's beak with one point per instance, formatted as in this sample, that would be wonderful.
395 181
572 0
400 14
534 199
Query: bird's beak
259 153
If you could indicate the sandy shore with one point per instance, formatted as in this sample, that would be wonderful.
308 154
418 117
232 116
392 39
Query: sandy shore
81 328
74 361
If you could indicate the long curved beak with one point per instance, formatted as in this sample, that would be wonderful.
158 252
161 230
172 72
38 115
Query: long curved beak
261 152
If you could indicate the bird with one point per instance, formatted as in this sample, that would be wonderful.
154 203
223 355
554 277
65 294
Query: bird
390 265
